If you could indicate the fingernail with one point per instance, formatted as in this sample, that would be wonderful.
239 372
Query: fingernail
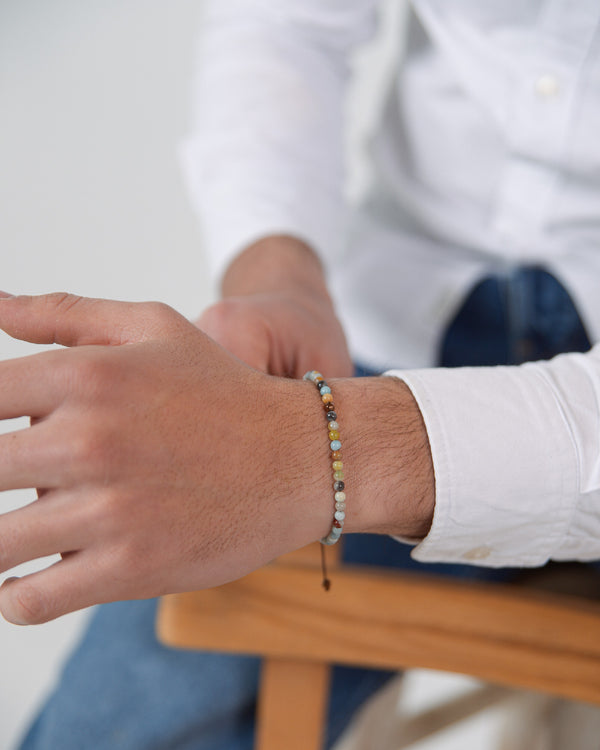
5 295
8 616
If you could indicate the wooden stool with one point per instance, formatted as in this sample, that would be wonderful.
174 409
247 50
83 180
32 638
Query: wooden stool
378 618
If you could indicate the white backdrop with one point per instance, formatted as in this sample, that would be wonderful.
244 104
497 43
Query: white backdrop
93 102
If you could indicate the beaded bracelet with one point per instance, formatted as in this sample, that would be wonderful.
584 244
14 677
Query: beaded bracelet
335 446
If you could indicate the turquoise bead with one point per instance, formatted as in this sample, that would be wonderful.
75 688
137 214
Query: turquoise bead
339 515
335 445
325 389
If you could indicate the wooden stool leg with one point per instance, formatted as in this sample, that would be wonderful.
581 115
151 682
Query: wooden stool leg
293 702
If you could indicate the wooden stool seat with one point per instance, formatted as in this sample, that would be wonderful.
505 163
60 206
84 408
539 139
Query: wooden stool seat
380 618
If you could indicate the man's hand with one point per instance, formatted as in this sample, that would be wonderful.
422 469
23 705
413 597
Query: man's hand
165 463
276 314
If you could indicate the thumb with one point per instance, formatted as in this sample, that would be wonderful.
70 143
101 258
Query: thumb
239 328
71 320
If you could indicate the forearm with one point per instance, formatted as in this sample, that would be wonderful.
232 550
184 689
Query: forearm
387 460
274 264
386 450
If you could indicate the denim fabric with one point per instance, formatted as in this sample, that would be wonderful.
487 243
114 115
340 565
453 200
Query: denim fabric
523 315
122 690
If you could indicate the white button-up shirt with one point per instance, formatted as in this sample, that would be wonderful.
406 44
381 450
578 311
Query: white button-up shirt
487 155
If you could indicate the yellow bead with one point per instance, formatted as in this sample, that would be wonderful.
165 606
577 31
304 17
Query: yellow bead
334 435
337 465
327 398
338 474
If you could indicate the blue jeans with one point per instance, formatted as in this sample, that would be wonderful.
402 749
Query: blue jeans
122 690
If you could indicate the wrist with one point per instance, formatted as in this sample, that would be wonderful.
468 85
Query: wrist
300 465
277 263
388 469
391 484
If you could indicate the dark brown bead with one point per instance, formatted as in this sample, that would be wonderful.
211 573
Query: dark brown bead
329 406
338 486
337 524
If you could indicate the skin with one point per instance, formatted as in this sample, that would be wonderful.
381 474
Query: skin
276 313
165 463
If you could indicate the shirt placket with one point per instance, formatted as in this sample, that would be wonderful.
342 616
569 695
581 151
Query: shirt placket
538 126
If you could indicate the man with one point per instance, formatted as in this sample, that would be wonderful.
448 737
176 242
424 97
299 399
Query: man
168 465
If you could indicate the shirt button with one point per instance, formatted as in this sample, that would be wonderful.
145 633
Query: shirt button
547 86
477 553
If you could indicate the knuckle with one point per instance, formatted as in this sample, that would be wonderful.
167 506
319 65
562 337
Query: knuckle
64 301
29 604
219 318
88 452
159 318
160 311
111 517
108 512
90 373
127 569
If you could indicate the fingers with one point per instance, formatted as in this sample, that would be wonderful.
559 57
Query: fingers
71 320
280 334
56 524
238 329
80 579
35 457
68 585
30 386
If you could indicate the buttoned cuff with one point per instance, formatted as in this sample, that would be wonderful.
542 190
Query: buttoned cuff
505 465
